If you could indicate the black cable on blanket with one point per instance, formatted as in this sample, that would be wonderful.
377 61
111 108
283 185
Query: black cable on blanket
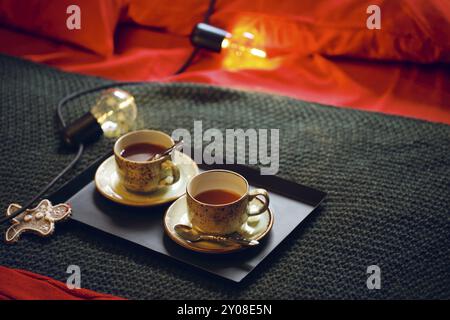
77 94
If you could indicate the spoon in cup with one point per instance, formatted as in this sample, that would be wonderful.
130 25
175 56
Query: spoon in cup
167 151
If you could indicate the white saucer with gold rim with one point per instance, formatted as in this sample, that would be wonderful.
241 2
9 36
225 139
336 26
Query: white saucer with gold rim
108 184
256 228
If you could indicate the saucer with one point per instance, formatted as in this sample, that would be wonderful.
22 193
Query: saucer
108 184
255 228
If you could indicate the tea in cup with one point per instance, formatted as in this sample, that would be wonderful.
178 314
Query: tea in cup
137 170
220 201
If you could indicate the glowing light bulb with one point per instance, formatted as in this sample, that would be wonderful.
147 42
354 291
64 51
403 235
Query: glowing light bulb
113 115
215 39
242 45
115 111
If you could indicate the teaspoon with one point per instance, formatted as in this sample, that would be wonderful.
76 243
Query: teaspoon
167 151
192 235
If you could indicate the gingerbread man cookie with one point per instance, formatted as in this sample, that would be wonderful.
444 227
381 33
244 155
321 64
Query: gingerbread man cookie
40 220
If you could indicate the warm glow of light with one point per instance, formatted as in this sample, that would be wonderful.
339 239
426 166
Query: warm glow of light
225 43
258 52
244 49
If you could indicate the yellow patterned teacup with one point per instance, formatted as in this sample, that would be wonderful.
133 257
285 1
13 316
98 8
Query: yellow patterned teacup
221 219
145 176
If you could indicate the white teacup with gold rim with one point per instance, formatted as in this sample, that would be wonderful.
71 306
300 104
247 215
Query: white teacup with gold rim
218 201
145 175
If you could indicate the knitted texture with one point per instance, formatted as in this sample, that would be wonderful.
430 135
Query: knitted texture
387 179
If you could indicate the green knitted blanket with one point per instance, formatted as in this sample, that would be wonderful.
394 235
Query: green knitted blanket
387 179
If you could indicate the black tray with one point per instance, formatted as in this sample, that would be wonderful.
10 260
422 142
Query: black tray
290 202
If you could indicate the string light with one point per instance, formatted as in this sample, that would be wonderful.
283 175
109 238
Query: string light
215 39
113 115
242 45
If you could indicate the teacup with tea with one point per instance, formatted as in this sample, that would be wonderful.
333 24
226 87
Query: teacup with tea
220 201
138 168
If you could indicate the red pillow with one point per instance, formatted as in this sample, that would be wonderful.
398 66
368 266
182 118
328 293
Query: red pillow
416 30
174 16
48 18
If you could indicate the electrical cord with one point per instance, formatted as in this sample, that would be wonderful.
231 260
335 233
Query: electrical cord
188 62
193 55
48 186
77 157
66 168
77 94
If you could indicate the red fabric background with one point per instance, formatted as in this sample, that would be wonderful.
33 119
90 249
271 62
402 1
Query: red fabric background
48 18
416 30
310 44
24 285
